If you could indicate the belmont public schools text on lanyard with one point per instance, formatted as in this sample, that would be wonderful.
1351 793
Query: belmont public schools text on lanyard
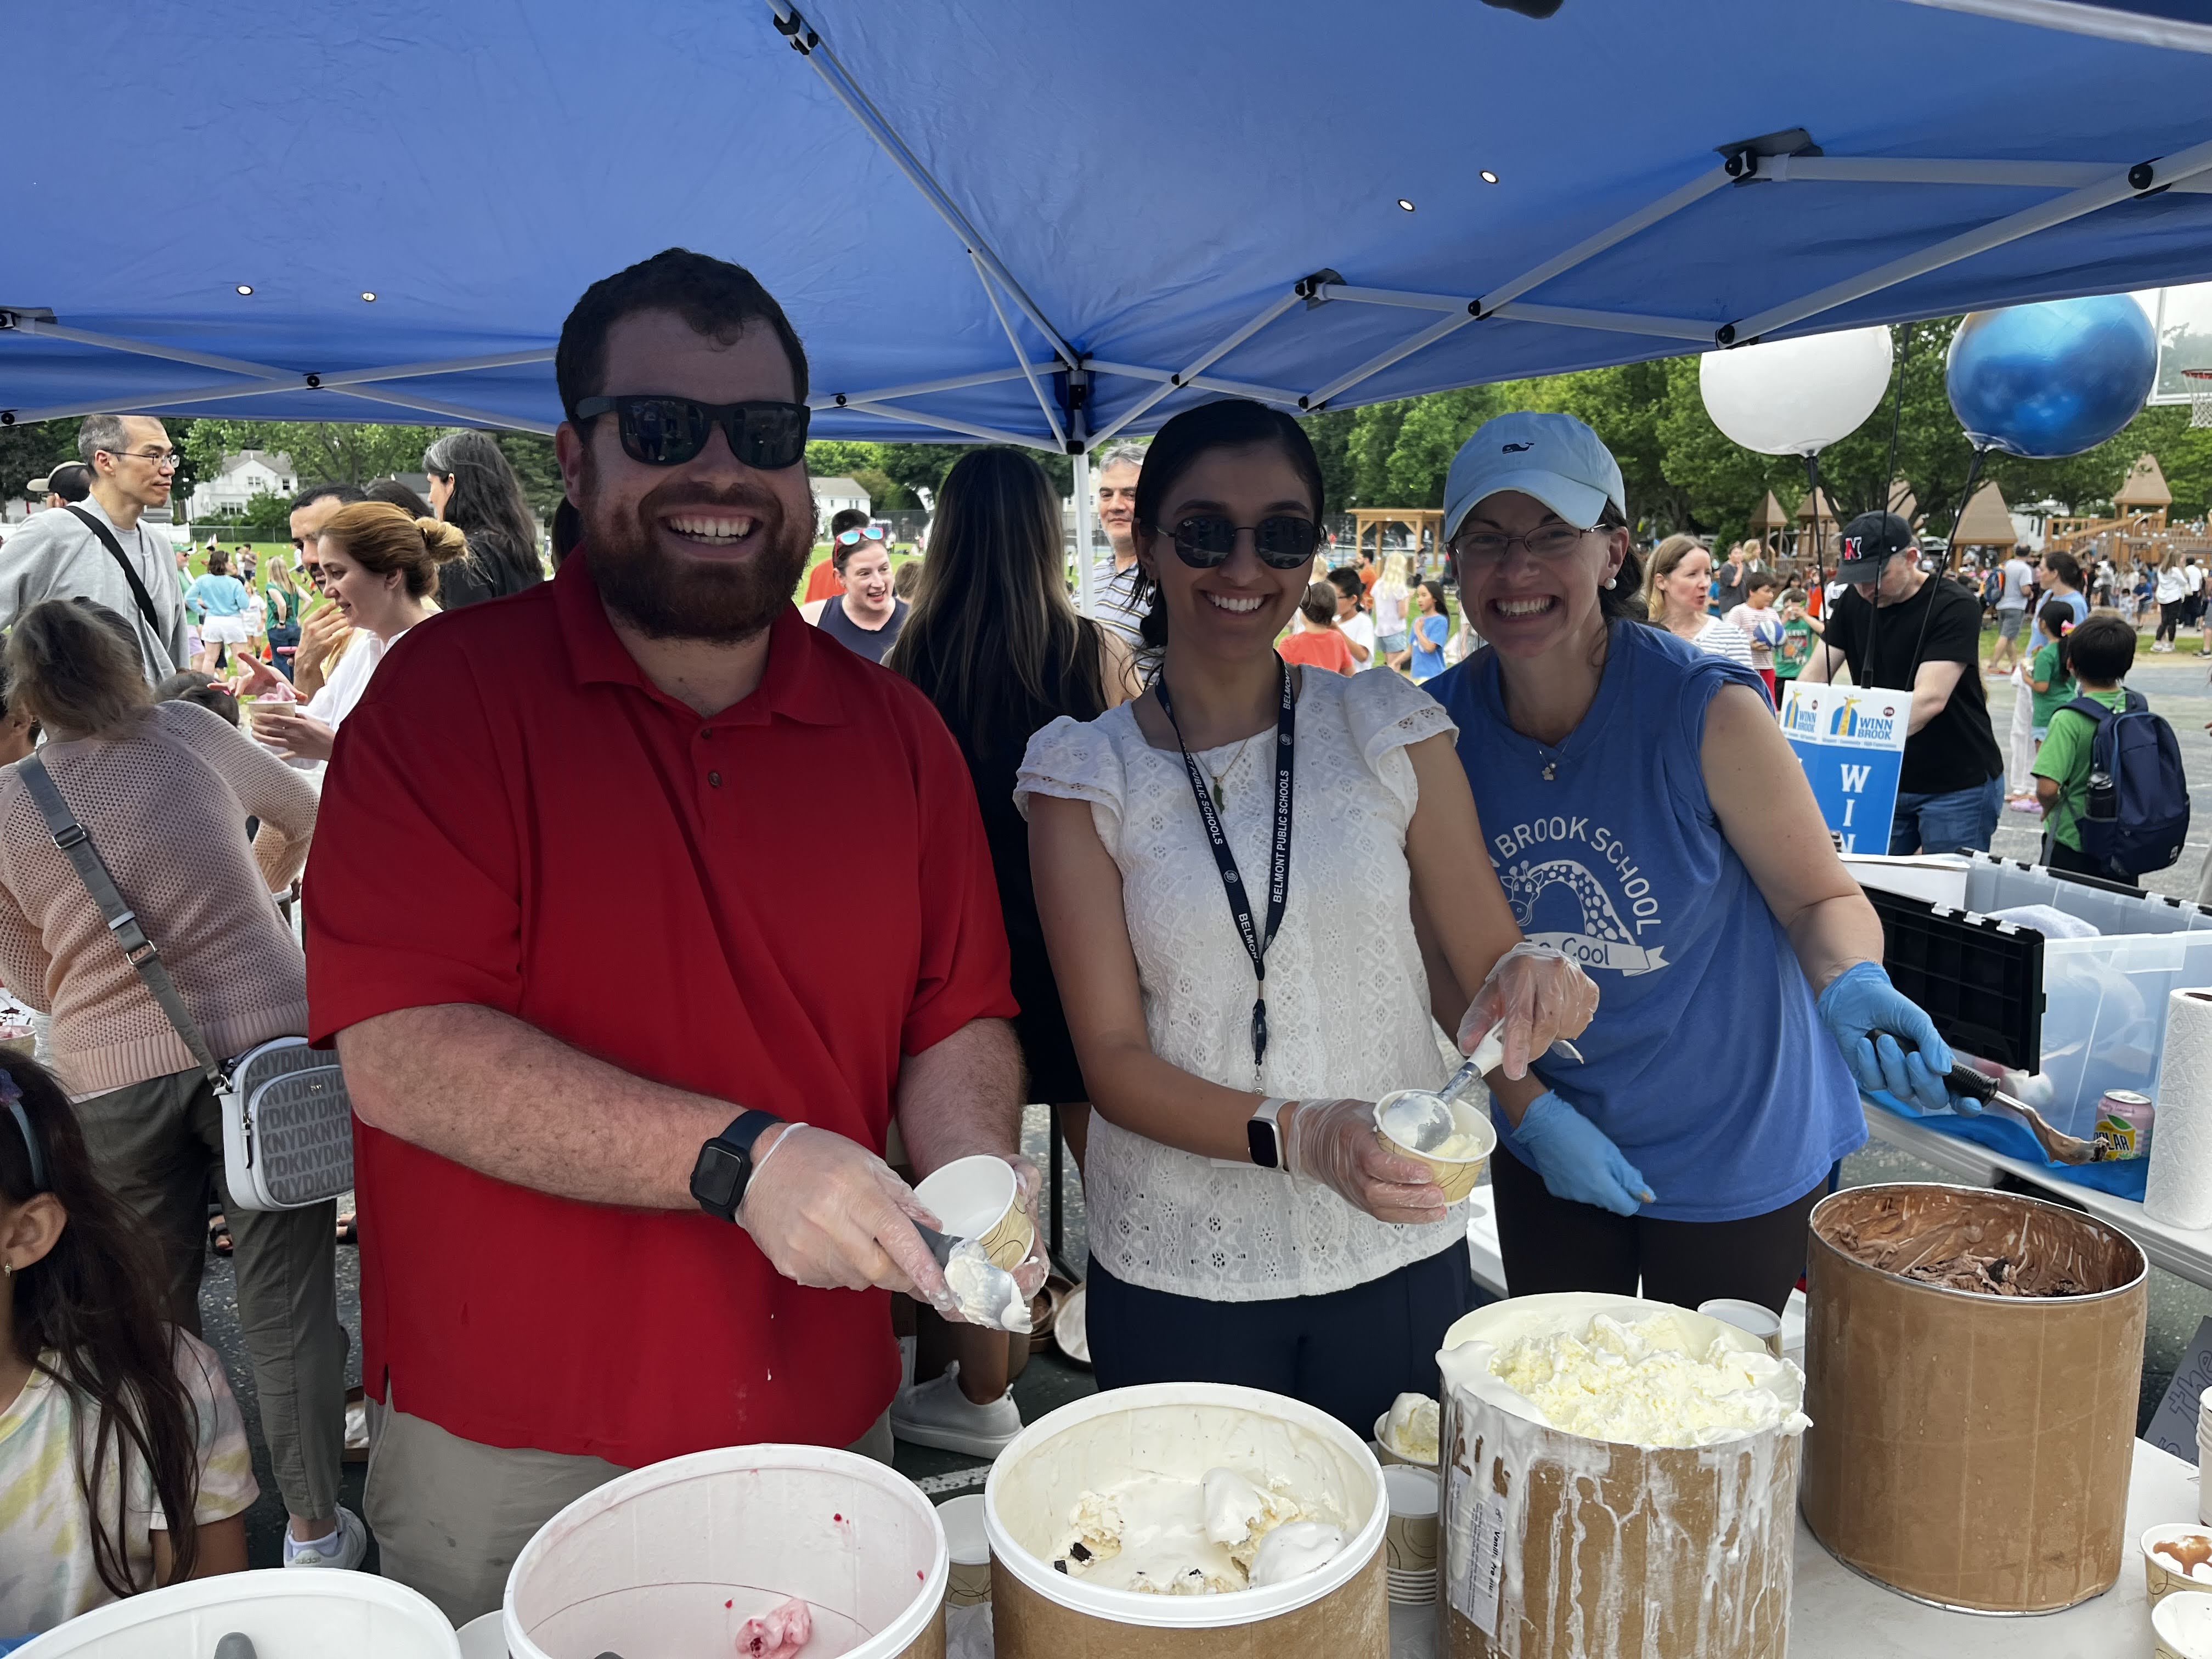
1279 872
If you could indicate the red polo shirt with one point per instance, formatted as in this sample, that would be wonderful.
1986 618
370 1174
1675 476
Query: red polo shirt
516 817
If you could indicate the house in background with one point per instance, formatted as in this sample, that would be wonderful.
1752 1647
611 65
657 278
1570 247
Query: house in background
832 497
249 473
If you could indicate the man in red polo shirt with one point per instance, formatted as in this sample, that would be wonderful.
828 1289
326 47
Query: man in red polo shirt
557 924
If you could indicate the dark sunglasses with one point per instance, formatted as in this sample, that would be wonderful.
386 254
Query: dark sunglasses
658 431
1283 543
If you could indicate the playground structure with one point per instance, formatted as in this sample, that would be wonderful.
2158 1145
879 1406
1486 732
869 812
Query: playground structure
2138 531
1424 527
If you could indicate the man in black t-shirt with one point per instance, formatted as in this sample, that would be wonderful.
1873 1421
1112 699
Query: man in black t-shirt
1923 633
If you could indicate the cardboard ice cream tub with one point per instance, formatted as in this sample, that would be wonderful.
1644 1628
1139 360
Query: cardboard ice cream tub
333 1616
1972 1450
1559 1547
671 1559
1180 1430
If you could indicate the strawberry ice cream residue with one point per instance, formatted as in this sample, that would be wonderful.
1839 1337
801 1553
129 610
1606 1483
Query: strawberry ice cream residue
778 1633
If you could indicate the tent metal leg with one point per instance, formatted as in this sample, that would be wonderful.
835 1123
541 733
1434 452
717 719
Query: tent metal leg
1083 596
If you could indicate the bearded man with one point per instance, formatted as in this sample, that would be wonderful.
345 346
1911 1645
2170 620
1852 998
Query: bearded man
553 928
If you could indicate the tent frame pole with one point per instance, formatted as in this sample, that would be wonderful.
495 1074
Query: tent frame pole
1051 415
1204 361
1082 534
1315 401
989 435
1266 394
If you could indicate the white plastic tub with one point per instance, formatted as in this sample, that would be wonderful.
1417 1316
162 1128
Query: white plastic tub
289 1615
1180 1430
670 1560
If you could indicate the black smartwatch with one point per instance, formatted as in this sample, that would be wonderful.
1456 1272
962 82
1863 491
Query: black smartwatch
725 1164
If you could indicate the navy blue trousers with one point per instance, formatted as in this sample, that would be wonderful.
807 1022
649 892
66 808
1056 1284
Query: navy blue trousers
1350 1352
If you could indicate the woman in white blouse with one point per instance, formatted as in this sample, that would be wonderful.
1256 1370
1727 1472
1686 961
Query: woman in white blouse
380 567
1677 589
1245 1224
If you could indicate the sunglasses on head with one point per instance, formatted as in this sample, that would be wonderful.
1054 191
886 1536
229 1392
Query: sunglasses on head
855 538
1206 539
660 431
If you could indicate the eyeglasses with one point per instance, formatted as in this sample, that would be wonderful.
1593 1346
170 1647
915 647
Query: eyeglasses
1551 541
1282 542
662 431
162 459
855 538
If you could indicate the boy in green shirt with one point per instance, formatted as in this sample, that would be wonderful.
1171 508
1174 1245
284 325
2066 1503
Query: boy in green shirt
1798 633
2100 651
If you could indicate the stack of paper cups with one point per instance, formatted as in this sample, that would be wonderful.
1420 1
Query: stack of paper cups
1409 1542
2203 1455
2178 1191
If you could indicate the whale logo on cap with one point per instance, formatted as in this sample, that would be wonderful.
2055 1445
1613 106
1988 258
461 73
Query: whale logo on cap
1514 449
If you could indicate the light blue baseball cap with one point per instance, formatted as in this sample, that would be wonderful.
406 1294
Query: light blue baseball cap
1554 457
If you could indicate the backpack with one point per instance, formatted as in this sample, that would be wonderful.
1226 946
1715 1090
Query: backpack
2136 816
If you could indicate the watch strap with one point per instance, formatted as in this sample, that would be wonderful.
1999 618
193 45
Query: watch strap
733 1146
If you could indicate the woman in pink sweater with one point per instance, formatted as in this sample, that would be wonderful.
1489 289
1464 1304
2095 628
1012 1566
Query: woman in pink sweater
165 791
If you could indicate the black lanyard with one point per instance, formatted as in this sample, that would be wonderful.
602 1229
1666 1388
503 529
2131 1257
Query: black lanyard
1279 875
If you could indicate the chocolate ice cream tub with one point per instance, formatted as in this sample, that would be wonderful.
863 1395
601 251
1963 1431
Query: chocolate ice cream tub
1973 1360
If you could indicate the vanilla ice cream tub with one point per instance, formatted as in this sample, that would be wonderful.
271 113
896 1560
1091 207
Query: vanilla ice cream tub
1188 1518
1620 1478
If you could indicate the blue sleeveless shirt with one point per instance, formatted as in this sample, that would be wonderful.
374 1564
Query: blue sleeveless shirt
1706 1063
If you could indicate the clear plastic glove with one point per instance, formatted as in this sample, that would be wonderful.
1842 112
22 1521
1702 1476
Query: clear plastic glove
1889 1040
829 1213
1335 1143
1578 1160
1541 997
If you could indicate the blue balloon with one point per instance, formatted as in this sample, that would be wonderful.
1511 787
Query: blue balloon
2054 379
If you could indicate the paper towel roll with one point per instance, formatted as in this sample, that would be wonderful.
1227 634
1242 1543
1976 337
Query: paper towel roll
2178 1190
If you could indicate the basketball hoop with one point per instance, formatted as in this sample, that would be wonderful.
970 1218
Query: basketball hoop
2200 395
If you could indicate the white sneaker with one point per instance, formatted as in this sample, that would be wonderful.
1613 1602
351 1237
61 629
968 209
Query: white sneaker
936 1413
345 1549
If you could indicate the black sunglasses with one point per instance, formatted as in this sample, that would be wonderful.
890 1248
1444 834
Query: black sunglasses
1282 542
660 431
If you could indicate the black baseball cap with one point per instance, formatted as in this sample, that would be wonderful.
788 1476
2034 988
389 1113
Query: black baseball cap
1871 541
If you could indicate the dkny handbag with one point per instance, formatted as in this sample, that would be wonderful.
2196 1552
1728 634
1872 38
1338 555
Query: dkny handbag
287 1119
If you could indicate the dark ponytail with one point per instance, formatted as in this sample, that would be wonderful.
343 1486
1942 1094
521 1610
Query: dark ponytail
89 1314
1225 423
1624 600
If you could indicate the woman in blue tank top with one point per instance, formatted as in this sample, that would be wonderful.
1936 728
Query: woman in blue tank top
1645 814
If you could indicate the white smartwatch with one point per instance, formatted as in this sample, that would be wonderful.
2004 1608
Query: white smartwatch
1259 1132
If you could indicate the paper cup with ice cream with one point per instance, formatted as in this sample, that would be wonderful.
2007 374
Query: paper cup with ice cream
1406 1433
1456 1164
2181 1627
2177 1556
978 1198
760 1551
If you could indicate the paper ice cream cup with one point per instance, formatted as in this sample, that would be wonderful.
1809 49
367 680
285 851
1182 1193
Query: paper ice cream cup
979 1197
2181 1627
970 1579
1762 1320
1457 1176
1385 1453
2159 1580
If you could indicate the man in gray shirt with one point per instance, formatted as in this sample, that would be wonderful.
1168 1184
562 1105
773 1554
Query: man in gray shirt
56 556
1114 580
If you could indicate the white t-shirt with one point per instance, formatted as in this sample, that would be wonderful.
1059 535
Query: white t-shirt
2194 575
1360 629
1347 998
46 1572
2017 576
2173 587
1389 608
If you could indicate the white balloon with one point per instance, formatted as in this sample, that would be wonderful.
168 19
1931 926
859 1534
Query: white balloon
1794 397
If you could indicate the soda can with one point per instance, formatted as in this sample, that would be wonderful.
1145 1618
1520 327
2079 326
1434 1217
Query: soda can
2123 1122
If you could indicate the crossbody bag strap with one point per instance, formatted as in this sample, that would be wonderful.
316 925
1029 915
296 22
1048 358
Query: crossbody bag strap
140 951
130 570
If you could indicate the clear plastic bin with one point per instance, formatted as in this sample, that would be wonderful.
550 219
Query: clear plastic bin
2104 999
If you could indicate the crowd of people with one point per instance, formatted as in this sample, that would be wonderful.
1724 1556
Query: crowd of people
639 1106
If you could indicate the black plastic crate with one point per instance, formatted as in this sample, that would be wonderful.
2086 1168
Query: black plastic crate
1980 980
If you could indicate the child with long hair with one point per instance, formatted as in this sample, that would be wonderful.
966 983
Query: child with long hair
122 1459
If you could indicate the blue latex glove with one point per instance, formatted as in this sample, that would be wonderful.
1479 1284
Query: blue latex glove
1577 1160
1868 1016
9 1643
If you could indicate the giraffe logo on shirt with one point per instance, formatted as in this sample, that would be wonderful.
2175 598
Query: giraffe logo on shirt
1559 889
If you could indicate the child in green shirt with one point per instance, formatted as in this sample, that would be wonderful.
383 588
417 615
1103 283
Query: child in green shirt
2050 680
1798 633
2100 651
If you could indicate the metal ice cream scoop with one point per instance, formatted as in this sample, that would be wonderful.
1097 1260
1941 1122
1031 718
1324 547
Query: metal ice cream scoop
940 1245
1426 1123
2058 1146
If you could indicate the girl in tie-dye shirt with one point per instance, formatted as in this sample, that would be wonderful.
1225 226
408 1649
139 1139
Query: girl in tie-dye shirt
123 1460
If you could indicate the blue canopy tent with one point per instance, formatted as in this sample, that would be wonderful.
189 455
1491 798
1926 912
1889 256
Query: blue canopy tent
1000 221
